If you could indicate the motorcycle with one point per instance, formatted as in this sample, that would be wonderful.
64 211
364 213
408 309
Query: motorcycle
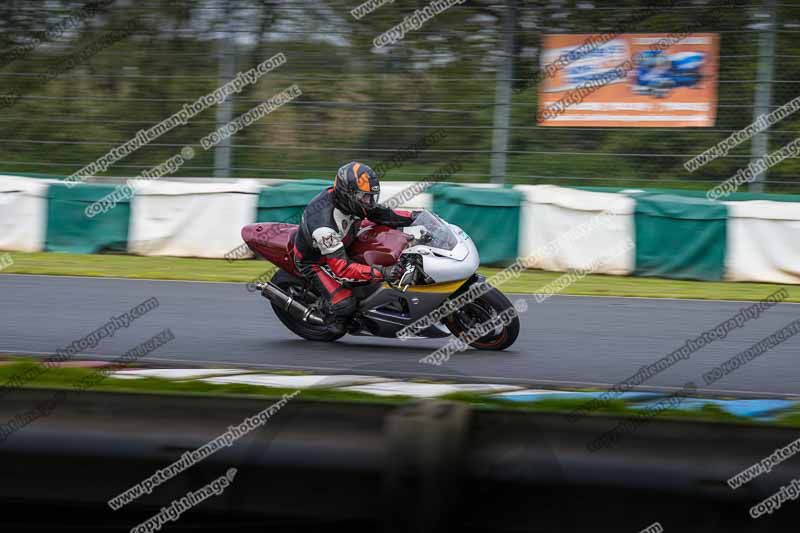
439 262
657 73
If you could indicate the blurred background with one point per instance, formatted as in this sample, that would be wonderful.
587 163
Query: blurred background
363 102
378 440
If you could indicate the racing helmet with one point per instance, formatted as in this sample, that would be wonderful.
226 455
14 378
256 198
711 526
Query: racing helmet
356 189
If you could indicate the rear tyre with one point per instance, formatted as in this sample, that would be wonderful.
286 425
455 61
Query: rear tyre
483 309
294 287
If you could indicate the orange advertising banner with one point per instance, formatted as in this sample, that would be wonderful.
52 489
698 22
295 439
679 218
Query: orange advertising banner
640 79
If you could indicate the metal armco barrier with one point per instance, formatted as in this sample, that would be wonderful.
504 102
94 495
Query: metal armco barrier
429 466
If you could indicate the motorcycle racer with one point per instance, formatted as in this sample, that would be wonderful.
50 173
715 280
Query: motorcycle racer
330 224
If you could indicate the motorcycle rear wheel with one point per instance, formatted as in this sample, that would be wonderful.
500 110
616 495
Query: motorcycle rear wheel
483 309
294 287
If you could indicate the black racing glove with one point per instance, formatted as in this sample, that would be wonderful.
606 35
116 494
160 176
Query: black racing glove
391 273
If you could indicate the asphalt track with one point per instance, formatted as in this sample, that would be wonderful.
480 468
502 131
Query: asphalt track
567 341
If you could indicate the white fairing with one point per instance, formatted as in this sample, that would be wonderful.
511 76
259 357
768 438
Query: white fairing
449 265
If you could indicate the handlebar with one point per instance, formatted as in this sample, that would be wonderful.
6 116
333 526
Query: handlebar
406 280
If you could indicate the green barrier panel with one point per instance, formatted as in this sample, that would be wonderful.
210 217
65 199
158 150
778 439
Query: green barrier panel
286 202
680 237
70 230
490 216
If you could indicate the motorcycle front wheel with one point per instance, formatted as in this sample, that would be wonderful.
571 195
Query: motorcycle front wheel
483 309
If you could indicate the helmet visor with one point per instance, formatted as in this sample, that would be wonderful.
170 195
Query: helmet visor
367 200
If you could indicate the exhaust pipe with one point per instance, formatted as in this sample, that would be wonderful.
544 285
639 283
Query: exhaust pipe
297 310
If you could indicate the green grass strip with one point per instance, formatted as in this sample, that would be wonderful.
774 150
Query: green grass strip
529 282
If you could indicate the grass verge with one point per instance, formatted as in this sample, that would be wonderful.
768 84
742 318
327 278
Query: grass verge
529 282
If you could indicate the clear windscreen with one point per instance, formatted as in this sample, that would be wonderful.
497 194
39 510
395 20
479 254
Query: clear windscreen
430 230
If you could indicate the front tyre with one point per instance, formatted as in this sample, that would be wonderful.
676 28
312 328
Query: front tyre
483 309
294 287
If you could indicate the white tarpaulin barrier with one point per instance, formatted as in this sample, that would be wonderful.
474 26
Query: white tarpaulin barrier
407 193
763 241
562 230
23 213
190 219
